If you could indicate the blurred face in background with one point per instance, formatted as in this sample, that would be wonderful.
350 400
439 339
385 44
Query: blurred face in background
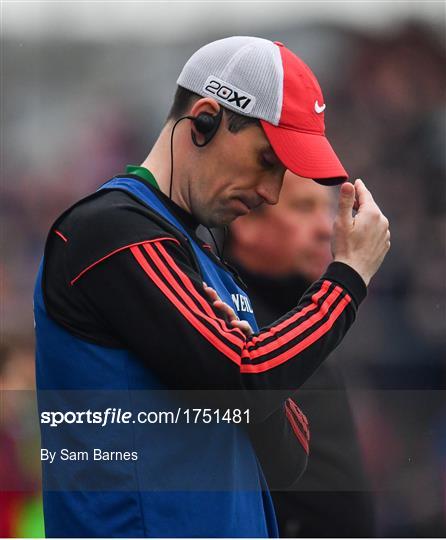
304 219
291 237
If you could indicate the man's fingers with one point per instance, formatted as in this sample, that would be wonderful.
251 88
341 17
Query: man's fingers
356 203
219 304
346 202
233 319
212 294
227 310
363 195
244 326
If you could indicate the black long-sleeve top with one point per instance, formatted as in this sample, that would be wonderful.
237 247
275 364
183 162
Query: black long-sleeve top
119 275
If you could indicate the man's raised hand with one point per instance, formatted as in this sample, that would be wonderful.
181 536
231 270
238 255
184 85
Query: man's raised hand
361 241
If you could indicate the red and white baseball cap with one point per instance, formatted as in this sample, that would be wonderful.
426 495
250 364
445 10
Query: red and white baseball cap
263 79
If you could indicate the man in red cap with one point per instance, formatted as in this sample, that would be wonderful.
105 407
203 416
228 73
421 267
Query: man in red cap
121 303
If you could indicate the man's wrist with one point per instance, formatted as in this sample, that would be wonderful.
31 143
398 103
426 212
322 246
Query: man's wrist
346 276
364 275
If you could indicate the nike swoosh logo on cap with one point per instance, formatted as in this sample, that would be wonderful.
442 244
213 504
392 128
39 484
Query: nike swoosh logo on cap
319 108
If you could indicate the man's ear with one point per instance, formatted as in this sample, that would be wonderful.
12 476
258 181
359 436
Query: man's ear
208 105
207 114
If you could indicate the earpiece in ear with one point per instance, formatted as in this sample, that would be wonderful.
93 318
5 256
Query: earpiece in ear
206 124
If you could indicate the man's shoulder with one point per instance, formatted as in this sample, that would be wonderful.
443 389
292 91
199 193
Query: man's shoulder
113 215
105 222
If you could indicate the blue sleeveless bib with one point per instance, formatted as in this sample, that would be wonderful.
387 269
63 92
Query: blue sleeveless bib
73 374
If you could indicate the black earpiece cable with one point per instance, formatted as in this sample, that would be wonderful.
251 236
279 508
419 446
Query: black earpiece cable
171 151
217 249
219 253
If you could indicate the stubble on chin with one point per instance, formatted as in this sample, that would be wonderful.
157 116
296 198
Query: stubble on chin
214 217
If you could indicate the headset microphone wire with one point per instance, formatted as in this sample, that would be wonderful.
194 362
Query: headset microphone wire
225 229
171 151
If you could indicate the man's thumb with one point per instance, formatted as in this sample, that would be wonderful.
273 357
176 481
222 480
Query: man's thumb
346 201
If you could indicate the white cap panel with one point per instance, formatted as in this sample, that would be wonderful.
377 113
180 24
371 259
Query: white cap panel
251 67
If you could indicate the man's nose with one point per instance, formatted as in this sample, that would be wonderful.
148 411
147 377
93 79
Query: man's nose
269 191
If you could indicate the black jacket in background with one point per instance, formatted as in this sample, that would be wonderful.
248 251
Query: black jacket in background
331 499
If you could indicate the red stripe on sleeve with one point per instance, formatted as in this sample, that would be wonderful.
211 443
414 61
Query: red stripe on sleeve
298 330
234 339
193 291
73 281
300 416
301 437
187 314
64 238
181 292
273 331
285 356
191 288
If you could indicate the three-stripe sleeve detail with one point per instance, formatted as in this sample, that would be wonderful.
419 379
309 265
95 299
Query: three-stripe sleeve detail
272 347
203 323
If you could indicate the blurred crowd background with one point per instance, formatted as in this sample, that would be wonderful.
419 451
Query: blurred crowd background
76 110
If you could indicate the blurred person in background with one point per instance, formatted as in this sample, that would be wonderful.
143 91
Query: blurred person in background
279 251
20 494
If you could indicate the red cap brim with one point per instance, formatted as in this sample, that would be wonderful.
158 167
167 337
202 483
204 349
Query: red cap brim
306 154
